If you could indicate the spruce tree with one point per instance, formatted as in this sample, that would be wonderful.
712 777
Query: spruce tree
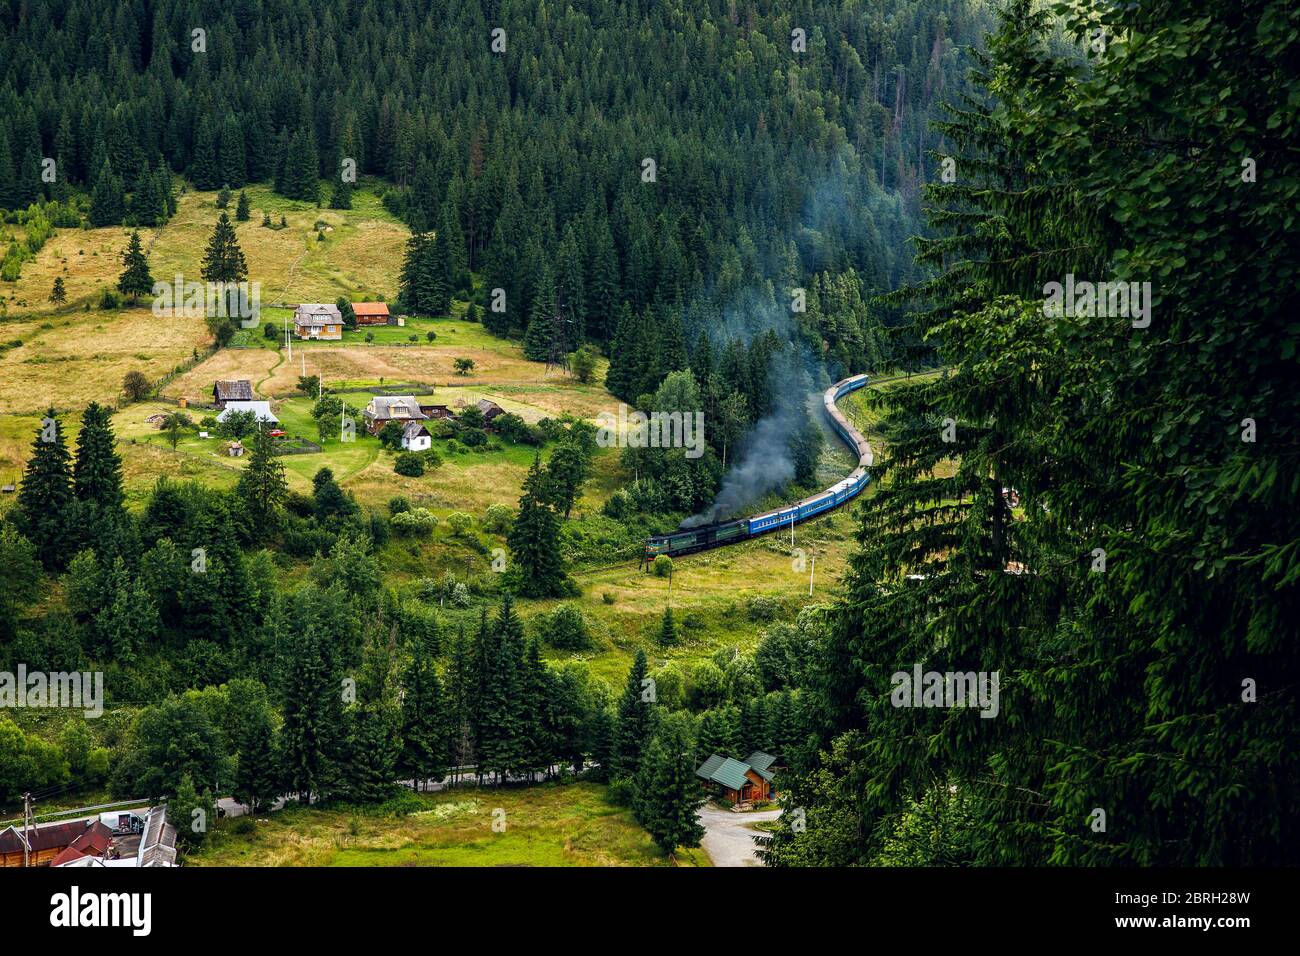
135 279
534 540
634 722
58 295
668 794
97 471
223 260
45 496
108 199
263 488
667 629
242 210
257 782
425 738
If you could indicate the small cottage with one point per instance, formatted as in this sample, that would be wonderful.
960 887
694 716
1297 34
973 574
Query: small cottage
740 782
415 437
235 390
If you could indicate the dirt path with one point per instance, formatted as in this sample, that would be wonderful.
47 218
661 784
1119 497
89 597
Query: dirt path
729 837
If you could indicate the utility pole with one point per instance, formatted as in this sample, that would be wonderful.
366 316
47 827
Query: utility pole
811 572
27 828
288 340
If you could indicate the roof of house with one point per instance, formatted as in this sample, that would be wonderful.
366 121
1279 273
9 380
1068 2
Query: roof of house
384 407
490 409
158 843
235 390
414 430
317 313
730 772
369 308
51 835
67 856
261 409
762 763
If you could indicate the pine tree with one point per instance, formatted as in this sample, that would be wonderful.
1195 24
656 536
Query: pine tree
257 783
669 795
262 486
45 497
58 295
367 769
223 261
242 211
667 629
534 540
97 471
310 738
204 172
108 199
135 279
634 722
425 738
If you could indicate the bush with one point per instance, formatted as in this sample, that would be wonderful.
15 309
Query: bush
417 523
565 629
662 566
607 598
398 505
409 464
473 437
498 519
459 522
762 608
109 300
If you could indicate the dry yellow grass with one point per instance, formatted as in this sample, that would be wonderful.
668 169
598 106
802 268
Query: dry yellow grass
196 384
70 359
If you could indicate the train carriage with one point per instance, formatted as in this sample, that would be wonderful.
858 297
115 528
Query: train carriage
686 541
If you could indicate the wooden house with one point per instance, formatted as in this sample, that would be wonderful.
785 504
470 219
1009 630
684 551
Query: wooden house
391 408
490 410
740 782
235 390
318 320
372 313
49 841
415 437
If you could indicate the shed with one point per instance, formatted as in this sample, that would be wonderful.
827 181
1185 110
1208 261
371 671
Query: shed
372 313
233 390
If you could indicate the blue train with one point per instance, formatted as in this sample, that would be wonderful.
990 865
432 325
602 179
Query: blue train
728 532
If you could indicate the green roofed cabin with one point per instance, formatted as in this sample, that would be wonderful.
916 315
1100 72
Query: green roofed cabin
740 782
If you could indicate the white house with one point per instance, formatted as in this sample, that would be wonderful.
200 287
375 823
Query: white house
415 437
261 409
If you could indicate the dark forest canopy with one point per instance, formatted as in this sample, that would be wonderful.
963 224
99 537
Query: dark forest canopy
772 166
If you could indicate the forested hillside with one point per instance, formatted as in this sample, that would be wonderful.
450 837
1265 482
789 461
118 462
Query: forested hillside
771 165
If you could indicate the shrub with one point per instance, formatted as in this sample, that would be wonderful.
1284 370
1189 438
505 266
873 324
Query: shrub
109 300
565 629
398 505
607 598
498 519
409 464
459 522
762 608
662 566
418 522
473 437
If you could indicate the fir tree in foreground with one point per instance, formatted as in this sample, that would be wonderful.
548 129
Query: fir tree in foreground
634 722
668 794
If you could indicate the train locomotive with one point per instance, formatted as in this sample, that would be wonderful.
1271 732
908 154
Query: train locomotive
701 537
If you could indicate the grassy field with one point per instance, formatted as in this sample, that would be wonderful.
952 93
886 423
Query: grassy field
544 825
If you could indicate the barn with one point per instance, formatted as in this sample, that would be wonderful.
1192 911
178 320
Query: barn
235 390
372 313
51 841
